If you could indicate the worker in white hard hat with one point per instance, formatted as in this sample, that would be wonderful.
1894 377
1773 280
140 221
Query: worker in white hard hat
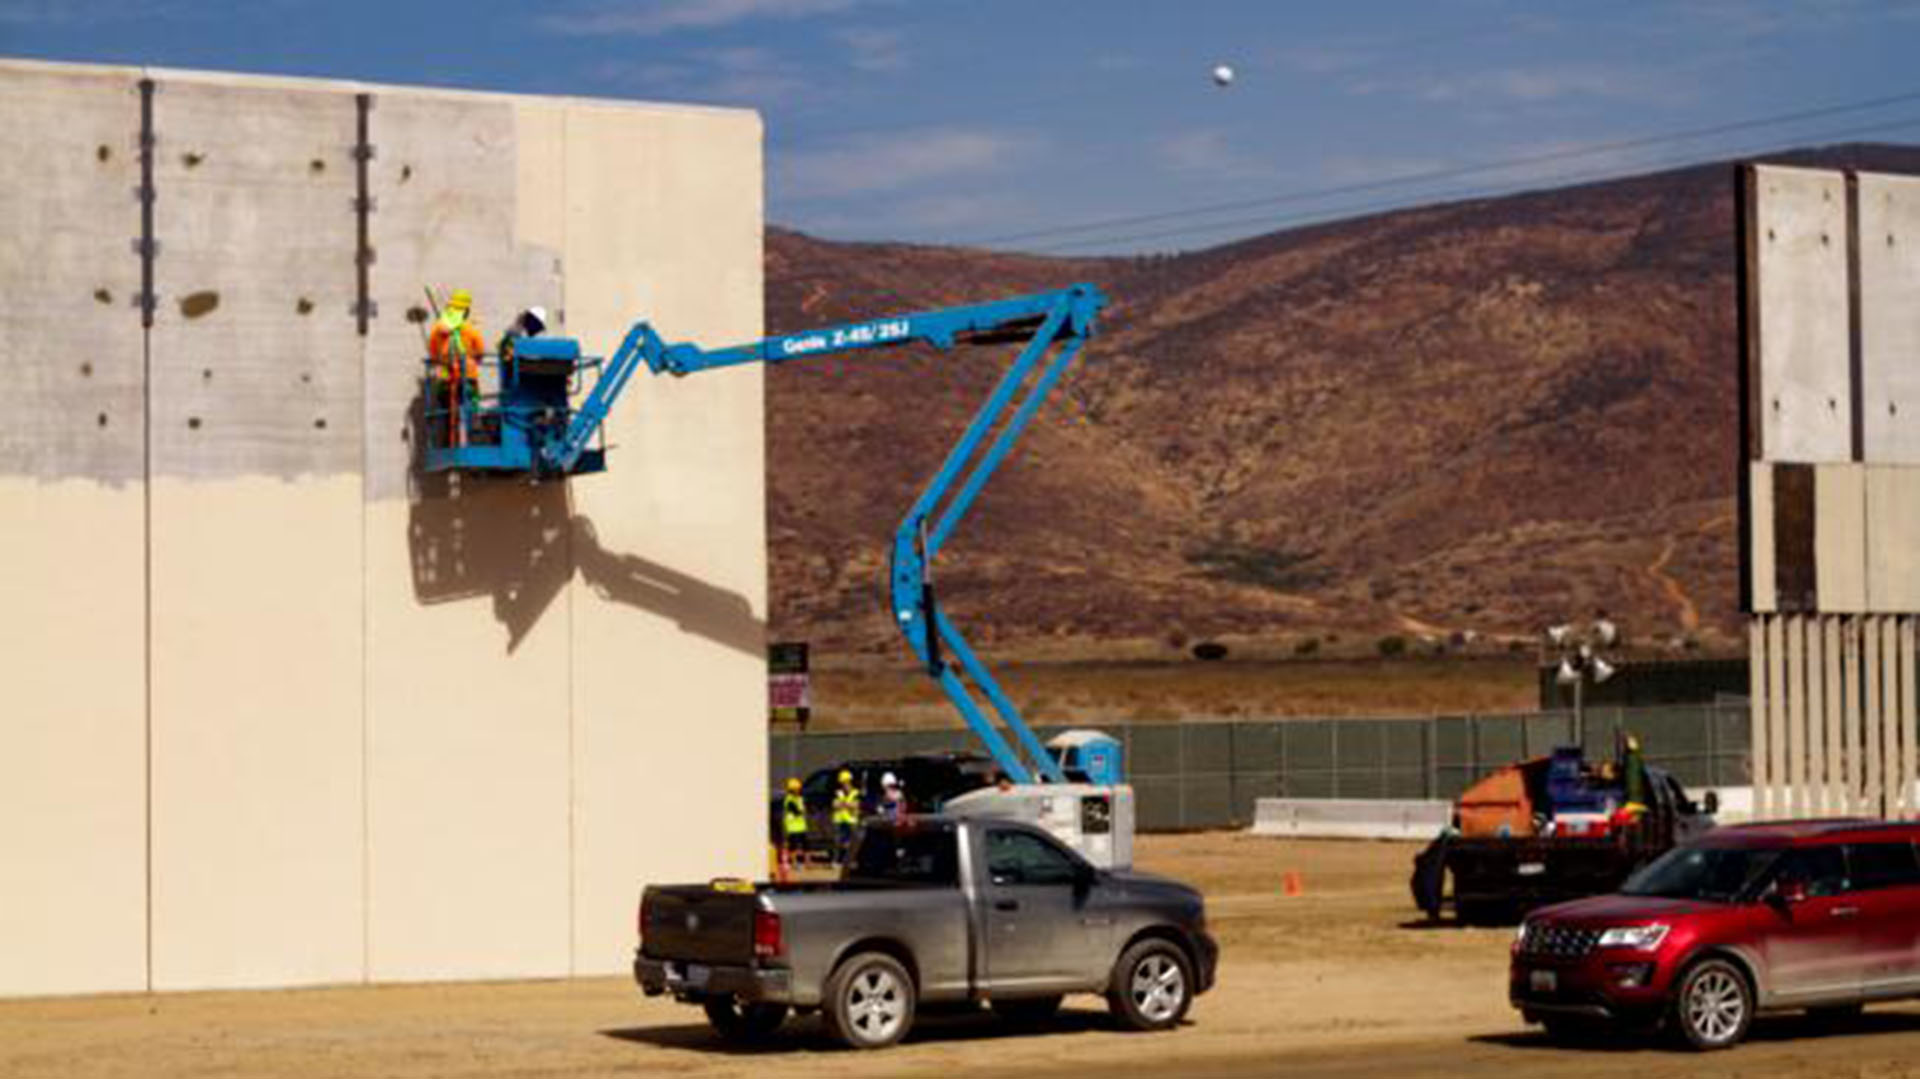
529 323
893 800
846 815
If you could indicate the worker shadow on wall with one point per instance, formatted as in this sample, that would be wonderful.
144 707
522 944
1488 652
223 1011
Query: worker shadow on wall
517 544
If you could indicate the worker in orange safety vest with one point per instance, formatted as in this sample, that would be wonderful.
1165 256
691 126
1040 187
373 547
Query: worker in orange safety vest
455 346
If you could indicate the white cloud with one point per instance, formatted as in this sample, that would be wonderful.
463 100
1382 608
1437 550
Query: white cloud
653 19
1210 152
745 75
933 218
893 162
1328 59
875 50
1535 85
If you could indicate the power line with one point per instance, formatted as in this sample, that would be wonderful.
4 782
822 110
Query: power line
1471 192
1451 172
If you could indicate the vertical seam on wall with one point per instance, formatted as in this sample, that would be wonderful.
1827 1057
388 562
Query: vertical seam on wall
1856 400
573 719
146 249
1746 370
363 311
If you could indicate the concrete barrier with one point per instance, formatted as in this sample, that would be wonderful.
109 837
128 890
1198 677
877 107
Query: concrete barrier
1350 818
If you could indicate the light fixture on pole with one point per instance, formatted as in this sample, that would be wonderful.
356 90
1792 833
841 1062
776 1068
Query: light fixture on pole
1581 662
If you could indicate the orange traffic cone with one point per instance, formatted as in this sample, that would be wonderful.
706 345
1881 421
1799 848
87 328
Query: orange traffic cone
1290 885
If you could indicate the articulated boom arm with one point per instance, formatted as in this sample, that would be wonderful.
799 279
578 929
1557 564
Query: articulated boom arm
1054 326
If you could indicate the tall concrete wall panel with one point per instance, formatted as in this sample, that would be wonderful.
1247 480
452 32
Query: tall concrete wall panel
1801 236
402 726
255 538
669 604
467 636
1890 318
73 784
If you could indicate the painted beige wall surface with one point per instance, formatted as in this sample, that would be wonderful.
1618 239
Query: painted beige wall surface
72 546
276 676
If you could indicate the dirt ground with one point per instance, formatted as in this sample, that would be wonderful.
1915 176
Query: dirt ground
1339 981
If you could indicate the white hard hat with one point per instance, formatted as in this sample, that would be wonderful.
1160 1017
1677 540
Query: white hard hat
889 780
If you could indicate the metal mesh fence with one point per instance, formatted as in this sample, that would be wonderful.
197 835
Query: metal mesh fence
1206 774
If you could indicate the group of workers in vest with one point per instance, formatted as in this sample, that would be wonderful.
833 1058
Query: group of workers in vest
455 348
848 811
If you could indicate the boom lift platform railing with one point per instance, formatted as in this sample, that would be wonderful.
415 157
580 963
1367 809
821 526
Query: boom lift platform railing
538 437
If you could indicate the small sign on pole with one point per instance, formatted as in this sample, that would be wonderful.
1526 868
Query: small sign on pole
789 692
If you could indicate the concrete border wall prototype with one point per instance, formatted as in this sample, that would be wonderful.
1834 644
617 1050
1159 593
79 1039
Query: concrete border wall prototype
1830 275
282 709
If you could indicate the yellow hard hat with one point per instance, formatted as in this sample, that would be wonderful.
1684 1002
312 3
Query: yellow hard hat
793 785
846 776
461 300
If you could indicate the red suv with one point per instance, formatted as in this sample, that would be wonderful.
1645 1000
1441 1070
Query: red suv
1816 915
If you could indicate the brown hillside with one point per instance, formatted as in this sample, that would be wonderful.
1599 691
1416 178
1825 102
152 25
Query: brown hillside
1481 417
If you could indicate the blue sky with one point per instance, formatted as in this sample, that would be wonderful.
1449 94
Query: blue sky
1093 127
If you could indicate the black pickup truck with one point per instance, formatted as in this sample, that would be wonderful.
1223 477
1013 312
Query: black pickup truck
1495 879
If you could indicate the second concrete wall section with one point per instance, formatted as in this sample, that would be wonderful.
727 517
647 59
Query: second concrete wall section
402 727
255 539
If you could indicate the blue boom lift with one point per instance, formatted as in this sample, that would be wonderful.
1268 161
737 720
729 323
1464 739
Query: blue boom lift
529 428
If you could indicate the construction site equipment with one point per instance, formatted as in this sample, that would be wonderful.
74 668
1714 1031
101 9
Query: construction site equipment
1554 828
528 428
512 430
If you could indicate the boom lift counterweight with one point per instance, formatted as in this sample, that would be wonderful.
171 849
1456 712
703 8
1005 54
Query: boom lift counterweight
555 441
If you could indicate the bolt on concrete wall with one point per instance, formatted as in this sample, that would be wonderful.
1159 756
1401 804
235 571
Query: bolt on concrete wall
277 676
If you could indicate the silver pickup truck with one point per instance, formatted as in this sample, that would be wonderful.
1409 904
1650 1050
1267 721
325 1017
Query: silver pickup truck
931 910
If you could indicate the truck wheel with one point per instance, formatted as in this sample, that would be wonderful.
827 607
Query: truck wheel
869 1001
1151 986
1027 1011
740 1022
1713 1006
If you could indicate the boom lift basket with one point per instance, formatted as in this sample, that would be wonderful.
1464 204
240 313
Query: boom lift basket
504 430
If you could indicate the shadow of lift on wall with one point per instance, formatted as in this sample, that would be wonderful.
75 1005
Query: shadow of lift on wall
520 543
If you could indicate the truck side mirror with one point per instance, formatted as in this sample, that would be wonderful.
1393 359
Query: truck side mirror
1711 803
1786 893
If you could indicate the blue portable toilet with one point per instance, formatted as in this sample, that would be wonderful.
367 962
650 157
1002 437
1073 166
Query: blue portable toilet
1096 753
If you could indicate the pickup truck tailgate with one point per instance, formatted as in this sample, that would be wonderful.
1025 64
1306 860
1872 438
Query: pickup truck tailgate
698 924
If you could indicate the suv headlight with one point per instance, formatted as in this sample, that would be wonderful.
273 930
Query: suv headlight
1640 938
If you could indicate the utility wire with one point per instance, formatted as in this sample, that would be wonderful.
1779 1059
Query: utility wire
1467 193
1451 172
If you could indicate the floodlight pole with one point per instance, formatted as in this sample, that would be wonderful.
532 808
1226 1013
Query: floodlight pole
1579 651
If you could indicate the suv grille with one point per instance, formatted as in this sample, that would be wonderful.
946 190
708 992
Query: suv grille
1560 942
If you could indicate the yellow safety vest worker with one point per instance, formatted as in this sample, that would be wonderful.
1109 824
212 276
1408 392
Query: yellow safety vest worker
794 815
846 806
